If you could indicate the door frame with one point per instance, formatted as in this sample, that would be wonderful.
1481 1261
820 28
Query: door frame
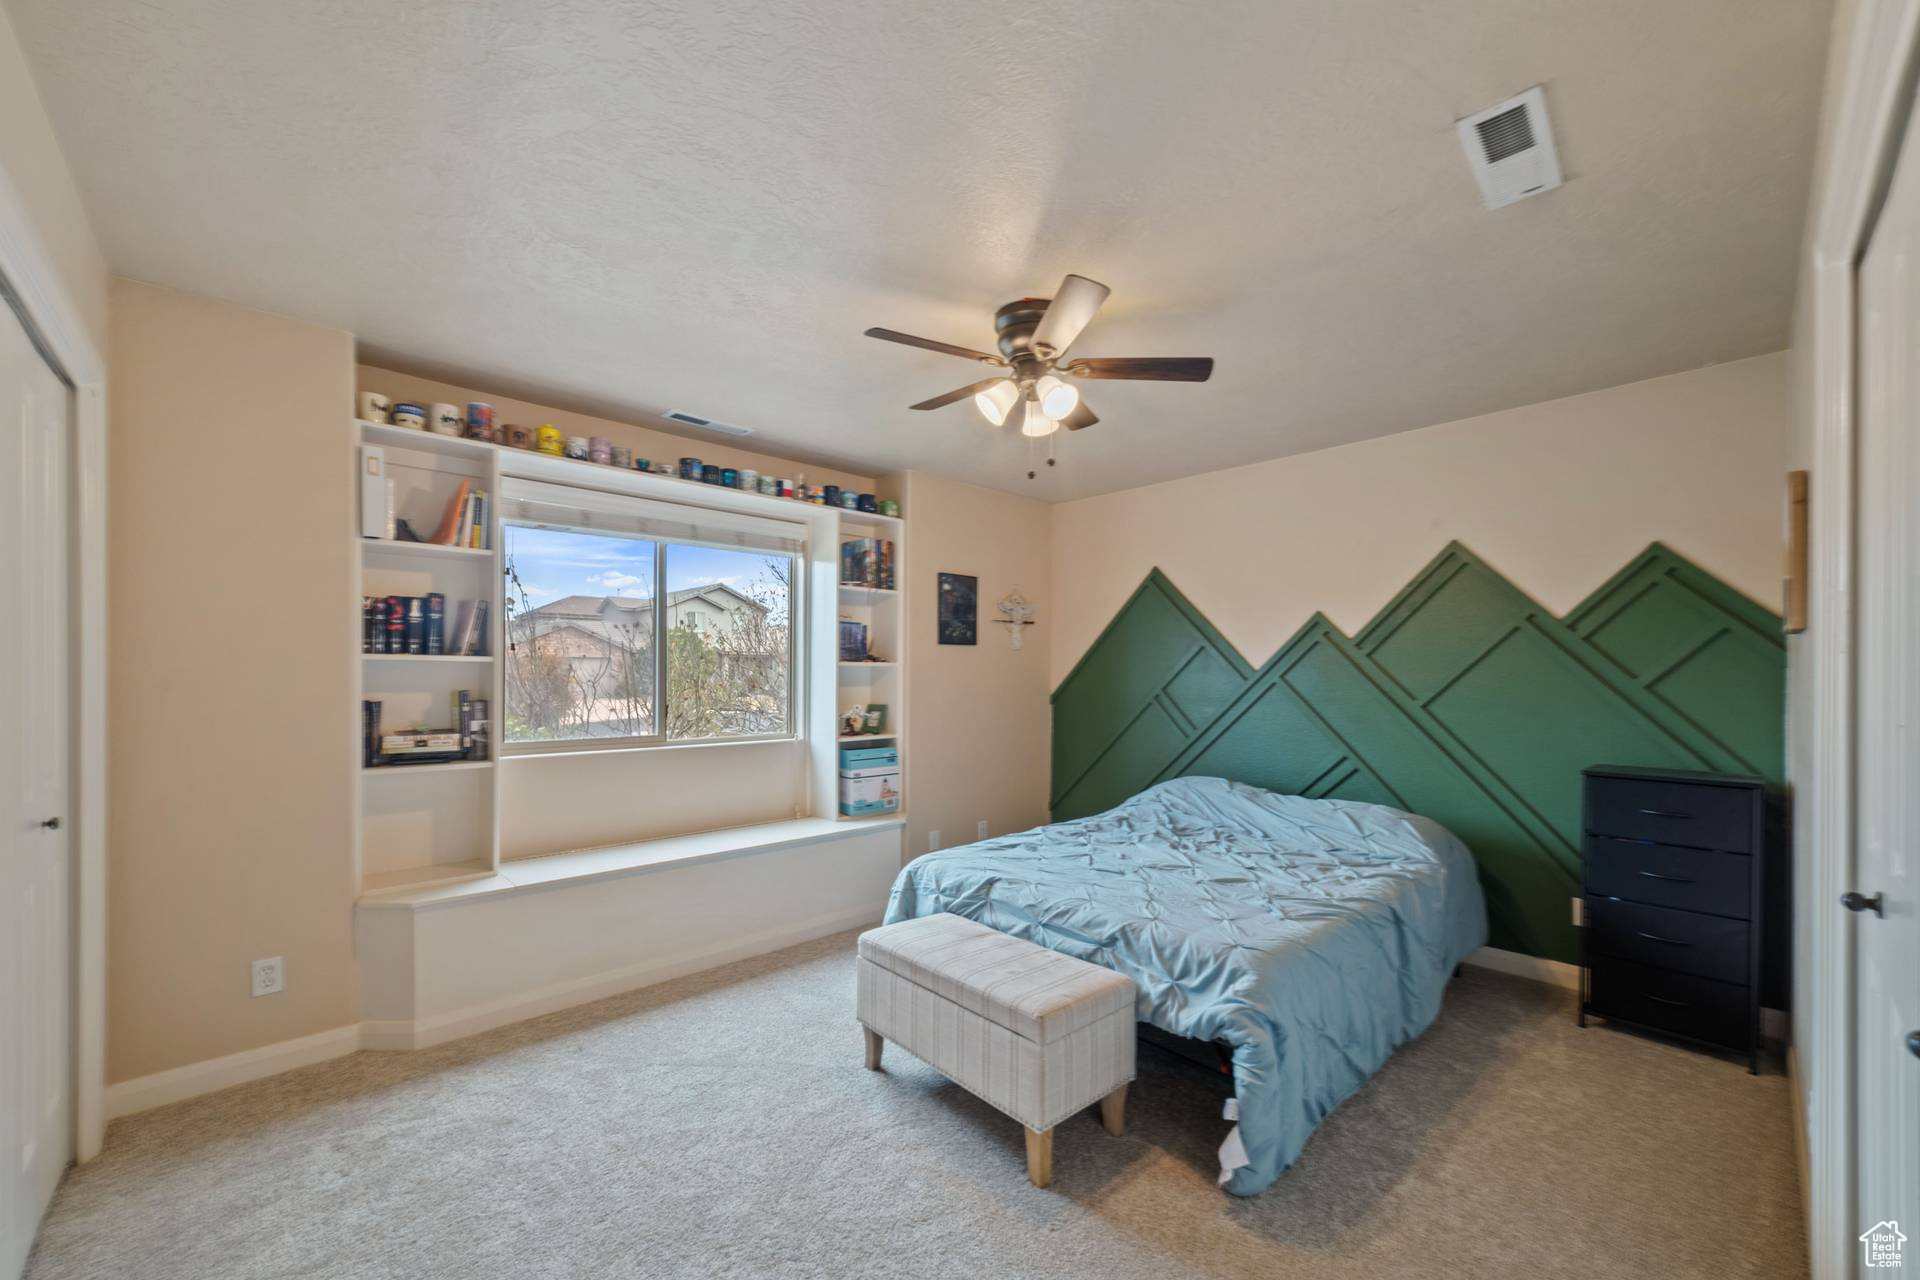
1871 68
53 321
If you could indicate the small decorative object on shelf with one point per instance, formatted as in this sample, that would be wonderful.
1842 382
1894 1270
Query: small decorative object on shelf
888 507
479 421
375 407
1019 613
447 420
408 414
550 440
874 718
515 436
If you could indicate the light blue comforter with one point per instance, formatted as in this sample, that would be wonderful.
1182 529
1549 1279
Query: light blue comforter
1313 936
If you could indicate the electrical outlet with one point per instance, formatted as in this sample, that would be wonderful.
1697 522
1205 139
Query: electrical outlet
269 976
982 829
1579 914
933 841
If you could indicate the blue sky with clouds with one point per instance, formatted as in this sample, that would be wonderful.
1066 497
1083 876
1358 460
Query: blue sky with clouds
552 564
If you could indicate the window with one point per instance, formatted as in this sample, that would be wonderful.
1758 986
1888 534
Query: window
631 625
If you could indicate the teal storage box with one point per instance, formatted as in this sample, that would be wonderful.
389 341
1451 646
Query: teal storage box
869 757
870 790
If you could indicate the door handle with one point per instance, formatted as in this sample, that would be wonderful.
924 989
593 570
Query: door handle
51 824
1854 901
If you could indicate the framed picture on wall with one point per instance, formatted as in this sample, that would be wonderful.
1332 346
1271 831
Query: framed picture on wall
959 596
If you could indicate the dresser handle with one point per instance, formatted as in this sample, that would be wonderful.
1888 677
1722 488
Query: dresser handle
1672 942
1655 875
1678 1004
1664 813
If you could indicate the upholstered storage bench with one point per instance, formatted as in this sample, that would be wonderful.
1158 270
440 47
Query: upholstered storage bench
1035 1033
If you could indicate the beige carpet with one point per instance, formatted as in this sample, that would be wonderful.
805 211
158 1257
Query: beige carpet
722 1125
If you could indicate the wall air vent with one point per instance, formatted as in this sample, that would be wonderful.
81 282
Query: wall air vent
1510 148
706 424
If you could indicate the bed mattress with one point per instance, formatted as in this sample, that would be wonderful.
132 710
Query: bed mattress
1312 936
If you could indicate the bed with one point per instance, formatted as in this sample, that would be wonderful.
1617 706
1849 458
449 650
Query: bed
1312 937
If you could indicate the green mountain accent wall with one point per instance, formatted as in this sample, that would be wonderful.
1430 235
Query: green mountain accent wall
1462 700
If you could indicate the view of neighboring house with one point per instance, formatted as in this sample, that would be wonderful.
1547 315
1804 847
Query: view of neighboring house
587 662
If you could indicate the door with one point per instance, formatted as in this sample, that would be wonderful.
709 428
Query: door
36 882
1886 896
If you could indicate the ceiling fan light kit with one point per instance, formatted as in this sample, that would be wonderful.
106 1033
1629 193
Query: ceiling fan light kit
997 401
1033 336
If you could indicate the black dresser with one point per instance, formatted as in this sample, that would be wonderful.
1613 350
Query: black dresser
1682 885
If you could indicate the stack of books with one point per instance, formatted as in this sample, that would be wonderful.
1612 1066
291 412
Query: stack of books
418 625
867 562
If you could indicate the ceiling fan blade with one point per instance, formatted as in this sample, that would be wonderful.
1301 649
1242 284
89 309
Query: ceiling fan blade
1072 307
972 389
928 344
1080 417
1146 368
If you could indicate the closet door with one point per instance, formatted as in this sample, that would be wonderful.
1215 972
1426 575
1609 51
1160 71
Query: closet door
1885 898
36 878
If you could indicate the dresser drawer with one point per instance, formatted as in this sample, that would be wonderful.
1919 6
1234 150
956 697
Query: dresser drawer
1701 817
1666 876
1709 946
1719 1012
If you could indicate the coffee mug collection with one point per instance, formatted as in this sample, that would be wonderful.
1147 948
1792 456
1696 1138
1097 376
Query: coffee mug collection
477 423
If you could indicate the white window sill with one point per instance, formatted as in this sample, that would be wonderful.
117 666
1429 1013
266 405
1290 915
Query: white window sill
528 875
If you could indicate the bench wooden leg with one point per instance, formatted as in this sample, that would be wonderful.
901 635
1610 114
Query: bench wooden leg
1039 1157
1113 1112
874 1045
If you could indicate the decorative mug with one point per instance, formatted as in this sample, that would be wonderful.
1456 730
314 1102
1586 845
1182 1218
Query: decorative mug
447 420
578 447
407 414
375 407
888 507
549 439
479 421
621 457
516 437
599 449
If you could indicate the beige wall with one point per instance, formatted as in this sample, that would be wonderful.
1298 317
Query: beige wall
231 658
977 717
644 441
1557 496
31 161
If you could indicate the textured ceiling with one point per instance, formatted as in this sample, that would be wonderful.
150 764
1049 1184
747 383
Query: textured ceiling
700 204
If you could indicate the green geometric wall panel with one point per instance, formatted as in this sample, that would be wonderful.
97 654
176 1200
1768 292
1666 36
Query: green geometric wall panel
1462 700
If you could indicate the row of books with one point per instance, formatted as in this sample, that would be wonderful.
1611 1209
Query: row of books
468 739
418 625
867 562
465 524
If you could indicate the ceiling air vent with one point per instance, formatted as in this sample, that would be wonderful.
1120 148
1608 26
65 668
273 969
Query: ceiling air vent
1510 146
706 424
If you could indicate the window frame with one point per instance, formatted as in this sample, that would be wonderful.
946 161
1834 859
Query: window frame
798 637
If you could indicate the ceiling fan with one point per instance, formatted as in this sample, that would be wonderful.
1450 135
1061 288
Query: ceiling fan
1034 335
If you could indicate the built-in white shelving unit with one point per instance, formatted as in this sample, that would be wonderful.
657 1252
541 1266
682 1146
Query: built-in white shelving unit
427 825
882 611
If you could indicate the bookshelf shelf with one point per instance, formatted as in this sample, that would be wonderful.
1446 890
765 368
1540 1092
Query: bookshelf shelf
868 737
869 666
421 550
420 441
416 877
855 589
449 766
426 657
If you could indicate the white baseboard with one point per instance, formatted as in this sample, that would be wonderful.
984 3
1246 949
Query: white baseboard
423 1033
1555 973
196 1078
